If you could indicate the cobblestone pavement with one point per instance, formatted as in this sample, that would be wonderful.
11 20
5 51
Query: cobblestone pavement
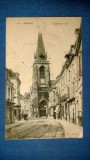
43 128
36 128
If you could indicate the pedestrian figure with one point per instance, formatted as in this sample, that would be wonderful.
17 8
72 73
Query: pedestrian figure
54 115
25 116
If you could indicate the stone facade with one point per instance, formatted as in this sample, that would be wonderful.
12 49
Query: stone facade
68 92
26 107
9 99
52 98
41 80
14 77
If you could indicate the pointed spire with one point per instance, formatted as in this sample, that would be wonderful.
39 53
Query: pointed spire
40 51
39 29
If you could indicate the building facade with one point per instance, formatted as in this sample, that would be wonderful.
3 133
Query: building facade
26 107
9 99
14 77
52 98
41 80
22 105
73 104
68 92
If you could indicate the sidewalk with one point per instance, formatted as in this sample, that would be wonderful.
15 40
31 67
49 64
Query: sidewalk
71 130
17 123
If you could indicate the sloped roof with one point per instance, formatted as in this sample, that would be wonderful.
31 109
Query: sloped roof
40 51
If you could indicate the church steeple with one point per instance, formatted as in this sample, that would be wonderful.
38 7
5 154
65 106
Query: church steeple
40 51
41 79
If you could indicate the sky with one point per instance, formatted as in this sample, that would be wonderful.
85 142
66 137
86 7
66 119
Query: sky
21 43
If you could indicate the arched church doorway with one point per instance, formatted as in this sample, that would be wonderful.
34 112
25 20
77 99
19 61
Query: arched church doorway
42 108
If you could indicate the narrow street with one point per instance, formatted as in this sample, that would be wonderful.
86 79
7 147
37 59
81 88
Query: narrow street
53 96
36 128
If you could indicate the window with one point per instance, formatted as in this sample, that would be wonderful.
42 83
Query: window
73 87
53 100
11 95
80 65
53 93
8 93
69 75
66 77
68 92
42 72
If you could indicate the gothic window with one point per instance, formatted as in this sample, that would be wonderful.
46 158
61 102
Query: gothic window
42 72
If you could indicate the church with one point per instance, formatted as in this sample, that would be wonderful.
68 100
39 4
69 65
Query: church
40 80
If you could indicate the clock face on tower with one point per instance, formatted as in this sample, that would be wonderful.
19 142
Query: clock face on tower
42 81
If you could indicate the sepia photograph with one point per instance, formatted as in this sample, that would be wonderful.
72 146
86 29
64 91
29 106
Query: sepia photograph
43 78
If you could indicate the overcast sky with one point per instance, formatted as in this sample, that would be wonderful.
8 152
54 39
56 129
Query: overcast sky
21 42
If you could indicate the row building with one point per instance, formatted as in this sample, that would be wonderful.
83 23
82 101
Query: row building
13 105
26 104
65 96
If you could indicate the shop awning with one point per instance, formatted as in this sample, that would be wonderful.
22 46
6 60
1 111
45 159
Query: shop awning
57 109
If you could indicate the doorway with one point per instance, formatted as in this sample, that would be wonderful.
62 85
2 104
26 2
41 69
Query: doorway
42 108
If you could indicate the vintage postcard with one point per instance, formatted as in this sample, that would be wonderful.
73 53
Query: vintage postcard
43 78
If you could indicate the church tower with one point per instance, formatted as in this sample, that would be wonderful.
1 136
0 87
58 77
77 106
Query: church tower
40 80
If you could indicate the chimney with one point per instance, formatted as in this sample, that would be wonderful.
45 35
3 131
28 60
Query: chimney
72 49
17 74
